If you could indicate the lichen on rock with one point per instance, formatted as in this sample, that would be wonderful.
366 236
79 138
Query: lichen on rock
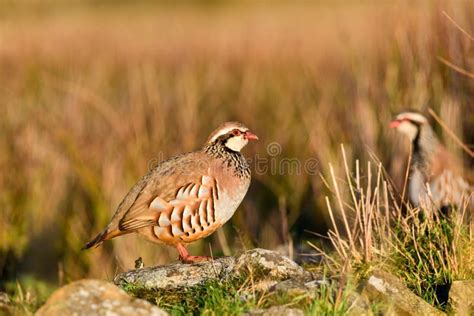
270 264
176 275
262 264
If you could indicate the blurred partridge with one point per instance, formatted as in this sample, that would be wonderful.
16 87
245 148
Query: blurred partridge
187 197
435 174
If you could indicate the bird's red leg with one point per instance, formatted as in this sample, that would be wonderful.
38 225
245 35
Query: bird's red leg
184 256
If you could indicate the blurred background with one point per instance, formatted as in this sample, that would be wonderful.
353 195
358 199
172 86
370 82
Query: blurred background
94 93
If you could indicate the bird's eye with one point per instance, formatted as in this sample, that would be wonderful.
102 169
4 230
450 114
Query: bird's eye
236 132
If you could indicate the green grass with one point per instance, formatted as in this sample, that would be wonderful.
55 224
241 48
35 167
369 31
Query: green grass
424 246
433 257
423 278
330 299
223 297
28 295
234 297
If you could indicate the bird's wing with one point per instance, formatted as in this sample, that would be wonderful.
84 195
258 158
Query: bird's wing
180 183
152 209
443 160
448 183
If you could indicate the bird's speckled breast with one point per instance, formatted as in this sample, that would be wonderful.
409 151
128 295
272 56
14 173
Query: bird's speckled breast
232 190
417 187
228 202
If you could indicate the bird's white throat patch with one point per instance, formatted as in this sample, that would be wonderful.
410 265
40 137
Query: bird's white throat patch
236 143
409 129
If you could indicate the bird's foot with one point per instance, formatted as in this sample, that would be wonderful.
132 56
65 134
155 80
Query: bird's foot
194 259
185 257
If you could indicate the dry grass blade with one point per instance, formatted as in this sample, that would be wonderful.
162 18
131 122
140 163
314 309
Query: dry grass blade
341 207
451 133
458 26
456 68
338 245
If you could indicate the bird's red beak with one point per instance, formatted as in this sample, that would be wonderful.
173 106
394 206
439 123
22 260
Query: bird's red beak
394 123
250 136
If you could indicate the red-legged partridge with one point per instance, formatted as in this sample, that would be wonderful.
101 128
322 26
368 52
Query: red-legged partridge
187 197
435 174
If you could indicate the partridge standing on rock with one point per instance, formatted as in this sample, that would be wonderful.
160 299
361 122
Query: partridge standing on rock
435 174
187 197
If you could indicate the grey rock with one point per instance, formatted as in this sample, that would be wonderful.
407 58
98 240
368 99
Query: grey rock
267 268
461 297
5 305
270 264
295 287
292 288
383 287
95 297
264 285
359 305
4 298
177 275
275 311
315 284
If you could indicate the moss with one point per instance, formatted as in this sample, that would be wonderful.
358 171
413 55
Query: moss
236 296
213 297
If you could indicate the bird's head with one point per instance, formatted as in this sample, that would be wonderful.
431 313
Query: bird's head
232 135
409 123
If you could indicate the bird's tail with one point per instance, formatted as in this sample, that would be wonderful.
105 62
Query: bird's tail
101 237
